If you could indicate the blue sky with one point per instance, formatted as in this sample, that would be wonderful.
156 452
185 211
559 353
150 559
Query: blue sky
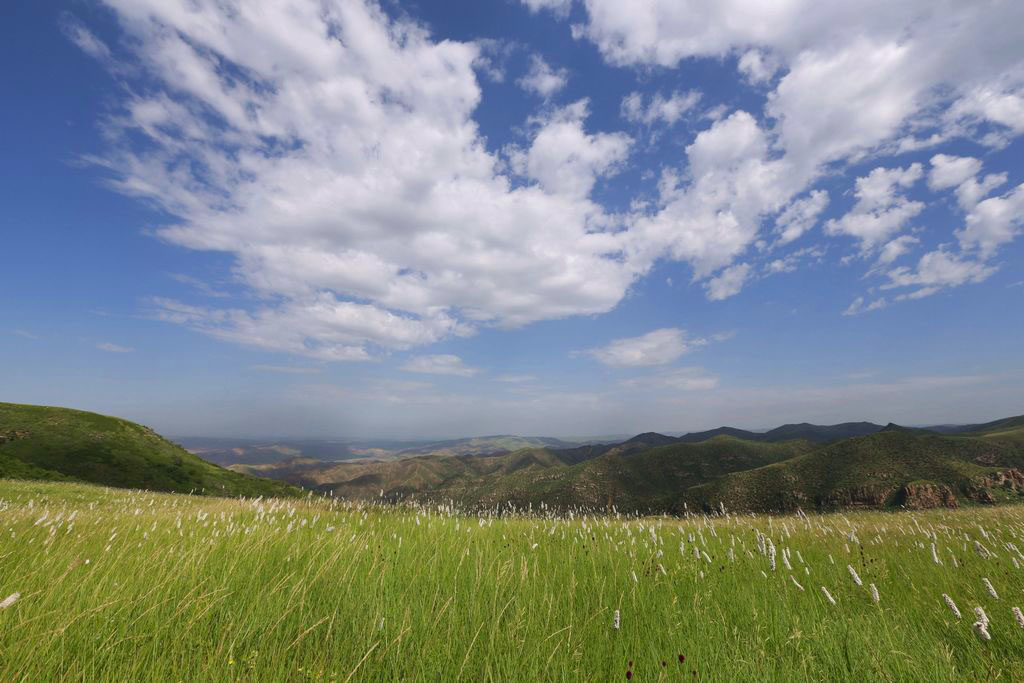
546 217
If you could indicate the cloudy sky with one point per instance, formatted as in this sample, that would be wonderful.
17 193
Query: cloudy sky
565 217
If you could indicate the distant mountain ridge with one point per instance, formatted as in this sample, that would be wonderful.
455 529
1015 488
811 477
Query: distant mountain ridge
875 466
801 465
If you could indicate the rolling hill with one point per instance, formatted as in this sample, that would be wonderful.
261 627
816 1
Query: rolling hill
651 472
38 442
890 468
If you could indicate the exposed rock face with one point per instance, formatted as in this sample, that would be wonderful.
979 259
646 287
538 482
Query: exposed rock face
921 496
980 488
12 435
859 496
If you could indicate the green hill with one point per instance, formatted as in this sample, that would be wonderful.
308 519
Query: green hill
38 442
651 479
893 467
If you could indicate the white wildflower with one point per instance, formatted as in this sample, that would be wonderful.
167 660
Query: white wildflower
979 612
795 582
615 620
9 600
1018 616
951 605
828 596
990 588
854 576
981 630
874 593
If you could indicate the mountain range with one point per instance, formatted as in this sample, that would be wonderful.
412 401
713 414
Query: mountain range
792 466
795 466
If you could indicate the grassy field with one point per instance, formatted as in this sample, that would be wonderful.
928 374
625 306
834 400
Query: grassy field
122 585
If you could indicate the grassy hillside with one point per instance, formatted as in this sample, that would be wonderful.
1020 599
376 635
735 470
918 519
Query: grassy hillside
39 442
118 585
594 476
873 471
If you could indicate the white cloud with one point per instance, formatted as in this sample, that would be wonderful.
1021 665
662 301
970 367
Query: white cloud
757 66
938 269
950 171
800 216
564 159
896 248
857 306
659 347
559 7
26 334
542 78
85 39
677 379
440 364
710 216
858 79
993 222
659 108
516 379
288 369
333 152
114 348
728 283
881 210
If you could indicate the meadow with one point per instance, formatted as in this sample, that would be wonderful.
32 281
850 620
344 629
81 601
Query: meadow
105 584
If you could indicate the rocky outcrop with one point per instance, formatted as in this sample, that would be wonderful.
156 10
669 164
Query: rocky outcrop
925 495
12 435
858 496
980 488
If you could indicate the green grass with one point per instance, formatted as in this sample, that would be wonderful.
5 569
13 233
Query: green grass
126 585
42 442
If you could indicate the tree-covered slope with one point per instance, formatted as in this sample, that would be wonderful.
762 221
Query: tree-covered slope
892 467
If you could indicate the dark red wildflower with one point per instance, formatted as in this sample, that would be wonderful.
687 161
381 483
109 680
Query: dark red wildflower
631 664
629 675
682 658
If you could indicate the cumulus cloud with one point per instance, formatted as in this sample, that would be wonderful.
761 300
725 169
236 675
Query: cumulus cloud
542 78
993 222
938 269
668 109
950 171
332 151
564 159
881 209
712 214
728 283
439 364
659 347
757 66
857 80
896 248
800 216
